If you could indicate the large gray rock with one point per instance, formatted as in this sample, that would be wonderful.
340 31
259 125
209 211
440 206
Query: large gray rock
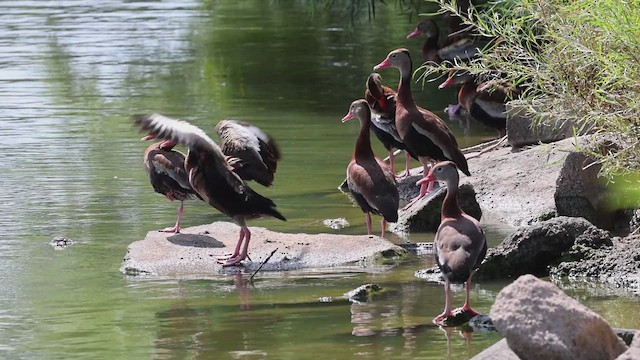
522 131
597 256
501 350
580 192
424 215
540 322
517 186
534 248
194 251
497 351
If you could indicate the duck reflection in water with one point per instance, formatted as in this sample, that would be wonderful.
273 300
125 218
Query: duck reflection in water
448 333
241 286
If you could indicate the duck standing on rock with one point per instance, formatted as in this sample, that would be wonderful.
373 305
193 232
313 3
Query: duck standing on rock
382 101
165 168
422 131
212 177
370 180
460 244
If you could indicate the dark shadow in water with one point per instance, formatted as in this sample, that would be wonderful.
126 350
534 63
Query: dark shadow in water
195 240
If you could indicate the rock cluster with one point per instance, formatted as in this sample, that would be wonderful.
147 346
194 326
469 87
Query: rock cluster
532 249
539 321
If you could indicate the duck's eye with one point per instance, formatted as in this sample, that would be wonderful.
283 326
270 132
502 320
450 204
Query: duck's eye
393 55
439 169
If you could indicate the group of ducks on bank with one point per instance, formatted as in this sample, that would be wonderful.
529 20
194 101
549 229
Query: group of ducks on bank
217 174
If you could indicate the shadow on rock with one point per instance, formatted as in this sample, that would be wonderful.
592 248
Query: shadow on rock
195 240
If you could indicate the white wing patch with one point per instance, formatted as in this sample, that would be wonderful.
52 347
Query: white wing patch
180 128
245 135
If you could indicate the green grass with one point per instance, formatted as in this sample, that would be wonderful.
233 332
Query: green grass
575 60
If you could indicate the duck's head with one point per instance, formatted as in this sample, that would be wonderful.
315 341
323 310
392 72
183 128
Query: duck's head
445 171
426 27
358 109
456 78
398 58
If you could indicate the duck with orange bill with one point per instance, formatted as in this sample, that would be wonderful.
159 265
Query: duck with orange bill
422 131
382 101
370 179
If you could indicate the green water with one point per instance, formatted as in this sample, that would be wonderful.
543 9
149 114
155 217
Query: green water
71 75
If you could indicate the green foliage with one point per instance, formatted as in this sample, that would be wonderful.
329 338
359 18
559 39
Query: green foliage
574 60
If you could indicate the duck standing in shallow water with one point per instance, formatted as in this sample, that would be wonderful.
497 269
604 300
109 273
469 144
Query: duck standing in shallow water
460 244
212 177
165 168
382 102
370 180
422 131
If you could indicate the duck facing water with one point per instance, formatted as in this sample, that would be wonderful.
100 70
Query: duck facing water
370 180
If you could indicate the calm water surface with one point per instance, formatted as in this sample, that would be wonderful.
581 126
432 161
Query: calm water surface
71 75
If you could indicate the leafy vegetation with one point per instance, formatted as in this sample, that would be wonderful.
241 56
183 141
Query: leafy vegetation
574 60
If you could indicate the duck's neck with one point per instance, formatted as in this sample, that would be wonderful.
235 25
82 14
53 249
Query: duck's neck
466 94
405 96
451 204
363 142
430 47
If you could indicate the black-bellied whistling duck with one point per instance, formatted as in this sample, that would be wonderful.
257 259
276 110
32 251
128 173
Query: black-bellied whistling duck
460 244
252 152
421 130
210 175
165 168
382 101
457 45
370 180
484 102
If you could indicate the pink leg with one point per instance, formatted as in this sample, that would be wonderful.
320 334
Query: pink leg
176 228
467 303
236 259
383 227
236 251
367 219
438 320
407 164
424 189
392 162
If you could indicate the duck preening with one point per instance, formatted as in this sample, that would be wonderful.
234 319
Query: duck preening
370 180
212 177
460 244
482 100
422 131
165 168
382 101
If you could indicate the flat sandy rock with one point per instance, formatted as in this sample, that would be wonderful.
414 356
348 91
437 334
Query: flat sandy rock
196 249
